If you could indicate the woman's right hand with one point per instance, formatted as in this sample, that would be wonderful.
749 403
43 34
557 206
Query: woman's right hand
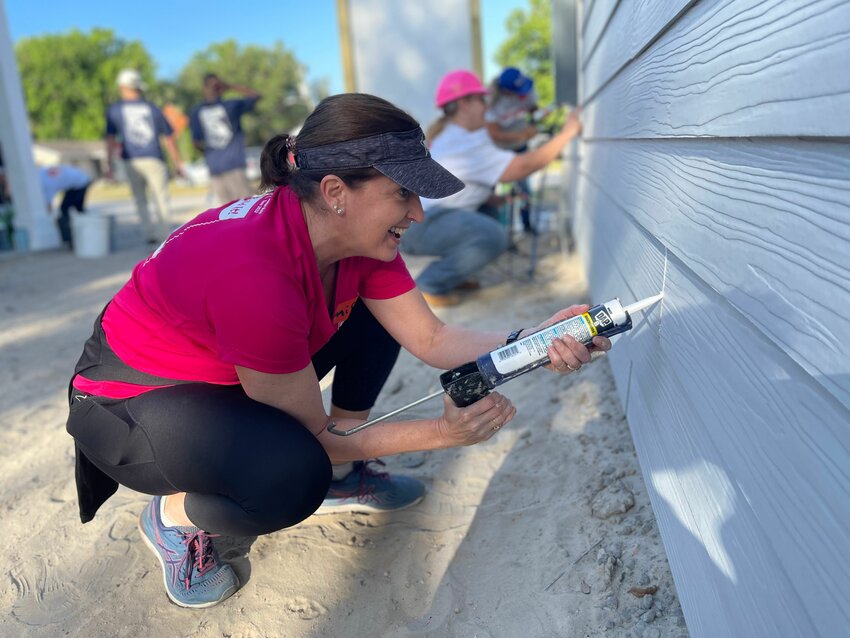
572 125
476 422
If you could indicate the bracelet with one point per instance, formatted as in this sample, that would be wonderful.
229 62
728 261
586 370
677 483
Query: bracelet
513 336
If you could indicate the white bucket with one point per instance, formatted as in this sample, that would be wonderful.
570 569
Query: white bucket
92 234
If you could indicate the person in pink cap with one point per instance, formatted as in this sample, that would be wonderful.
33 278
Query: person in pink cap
464 239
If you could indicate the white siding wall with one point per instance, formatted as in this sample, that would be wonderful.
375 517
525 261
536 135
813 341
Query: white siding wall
401 50
716 167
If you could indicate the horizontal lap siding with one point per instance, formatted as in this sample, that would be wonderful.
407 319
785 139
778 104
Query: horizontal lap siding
595 25
715 411
766 225
735 69
634 25
737 388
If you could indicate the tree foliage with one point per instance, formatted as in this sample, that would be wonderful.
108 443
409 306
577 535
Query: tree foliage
529 46
274 72
69 79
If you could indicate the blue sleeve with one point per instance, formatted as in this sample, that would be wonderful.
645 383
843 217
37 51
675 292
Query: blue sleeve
247 105
111 124
195 125
162 125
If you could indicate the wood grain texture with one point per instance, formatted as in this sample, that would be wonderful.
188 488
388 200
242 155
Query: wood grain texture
735 68
746 457
594 28
765 224
634 25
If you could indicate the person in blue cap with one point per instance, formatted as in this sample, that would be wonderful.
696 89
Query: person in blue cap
508 117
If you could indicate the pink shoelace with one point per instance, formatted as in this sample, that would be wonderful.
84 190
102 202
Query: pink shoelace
366 489
199 553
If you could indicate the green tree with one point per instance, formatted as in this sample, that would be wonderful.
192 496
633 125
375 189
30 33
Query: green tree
274 72
69 79
529 46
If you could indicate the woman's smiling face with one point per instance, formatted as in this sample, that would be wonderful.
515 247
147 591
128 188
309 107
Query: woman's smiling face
378 212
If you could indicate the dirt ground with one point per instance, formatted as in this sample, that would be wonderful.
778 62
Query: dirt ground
545 530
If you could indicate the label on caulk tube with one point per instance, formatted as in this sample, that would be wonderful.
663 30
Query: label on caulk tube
533 348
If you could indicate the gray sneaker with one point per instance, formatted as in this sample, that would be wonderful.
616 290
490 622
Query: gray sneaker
191 570
365 490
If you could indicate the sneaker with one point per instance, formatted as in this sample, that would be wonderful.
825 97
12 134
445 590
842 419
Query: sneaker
191 570
365 490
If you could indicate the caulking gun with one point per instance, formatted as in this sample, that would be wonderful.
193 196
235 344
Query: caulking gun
472 381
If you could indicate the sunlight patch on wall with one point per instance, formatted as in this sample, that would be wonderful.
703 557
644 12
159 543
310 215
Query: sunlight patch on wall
702 499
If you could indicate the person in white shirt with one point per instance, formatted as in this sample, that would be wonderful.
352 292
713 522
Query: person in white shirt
467 240
74 183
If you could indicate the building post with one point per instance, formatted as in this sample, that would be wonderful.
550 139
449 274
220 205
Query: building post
35 229
345 45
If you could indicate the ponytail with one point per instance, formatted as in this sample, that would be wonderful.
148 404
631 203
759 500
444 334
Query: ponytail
437 127
275 165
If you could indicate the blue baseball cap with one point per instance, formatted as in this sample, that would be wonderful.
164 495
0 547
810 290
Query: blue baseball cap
514 81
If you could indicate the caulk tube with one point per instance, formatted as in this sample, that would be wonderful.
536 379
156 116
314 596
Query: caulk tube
472 381
530 352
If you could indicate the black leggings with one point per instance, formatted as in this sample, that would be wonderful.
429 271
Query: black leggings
247 468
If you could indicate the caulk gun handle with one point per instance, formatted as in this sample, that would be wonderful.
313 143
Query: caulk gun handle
465 385
469 399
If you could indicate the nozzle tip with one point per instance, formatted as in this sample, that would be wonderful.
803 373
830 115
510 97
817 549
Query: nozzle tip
644 303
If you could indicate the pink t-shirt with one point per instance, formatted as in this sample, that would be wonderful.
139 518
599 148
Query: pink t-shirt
237 285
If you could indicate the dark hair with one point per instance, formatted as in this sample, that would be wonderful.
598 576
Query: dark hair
208 77
338 118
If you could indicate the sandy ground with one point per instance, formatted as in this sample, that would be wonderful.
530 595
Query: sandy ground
545 530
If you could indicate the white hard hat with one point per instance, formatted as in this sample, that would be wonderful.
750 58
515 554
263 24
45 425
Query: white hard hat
131 78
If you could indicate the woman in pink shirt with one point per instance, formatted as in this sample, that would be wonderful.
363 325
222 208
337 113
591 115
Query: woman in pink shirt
200 384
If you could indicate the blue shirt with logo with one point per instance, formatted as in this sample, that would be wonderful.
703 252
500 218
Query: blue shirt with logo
138 124
218 126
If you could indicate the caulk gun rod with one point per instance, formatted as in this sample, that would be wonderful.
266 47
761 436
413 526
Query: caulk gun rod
363 426
405 408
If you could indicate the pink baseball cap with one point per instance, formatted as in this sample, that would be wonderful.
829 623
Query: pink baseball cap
458 84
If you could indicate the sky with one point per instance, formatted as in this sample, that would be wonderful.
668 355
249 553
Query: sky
172 30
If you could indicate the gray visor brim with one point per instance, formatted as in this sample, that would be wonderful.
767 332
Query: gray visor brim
425 177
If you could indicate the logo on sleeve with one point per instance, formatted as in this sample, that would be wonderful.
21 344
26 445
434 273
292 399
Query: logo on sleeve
241 207
343 310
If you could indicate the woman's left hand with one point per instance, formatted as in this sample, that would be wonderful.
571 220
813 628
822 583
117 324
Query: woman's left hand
565 353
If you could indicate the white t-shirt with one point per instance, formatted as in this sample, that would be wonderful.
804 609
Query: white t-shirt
473 158
61 178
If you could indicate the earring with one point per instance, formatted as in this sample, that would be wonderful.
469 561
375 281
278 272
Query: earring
339 210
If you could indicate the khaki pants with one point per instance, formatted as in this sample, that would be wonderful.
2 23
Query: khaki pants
230 185
150 173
